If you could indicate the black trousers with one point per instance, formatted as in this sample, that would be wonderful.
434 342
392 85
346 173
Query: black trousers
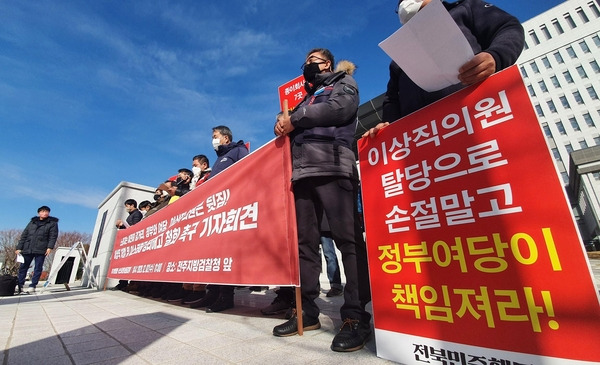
336 197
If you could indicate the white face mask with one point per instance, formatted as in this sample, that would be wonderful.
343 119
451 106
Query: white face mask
216 142
196 170
407 9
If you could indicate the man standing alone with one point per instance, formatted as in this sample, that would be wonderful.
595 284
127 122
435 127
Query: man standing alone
37 241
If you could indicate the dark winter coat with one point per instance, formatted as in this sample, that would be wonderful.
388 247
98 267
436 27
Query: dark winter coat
134 217
38 236
487 29
324 124
227 155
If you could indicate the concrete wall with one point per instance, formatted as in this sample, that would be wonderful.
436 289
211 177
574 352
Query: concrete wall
101 246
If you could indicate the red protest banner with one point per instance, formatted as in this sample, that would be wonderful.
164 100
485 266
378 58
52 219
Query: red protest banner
293 91
239 227
473 250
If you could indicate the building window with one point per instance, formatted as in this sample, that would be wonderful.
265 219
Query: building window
583 144
582 15
557 26
552 107
556 154
594 66
577 97
546 62
542 85
596 175
531 91
525 46
596 140
594 9
534 37
581 72
539 111
546 32
99 238
570 21
571 52
596 40
523 72
561 128
555 81
569 148
568 77
574 124
564 102
592 92
558 57
546 129
588 120
534 67
584 47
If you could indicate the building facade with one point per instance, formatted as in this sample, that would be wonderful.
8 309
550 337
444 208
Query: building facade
560 66
105 231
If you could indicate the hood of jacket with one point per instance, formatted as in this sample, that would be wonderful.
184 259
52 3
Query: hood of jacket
224 148
49 219
342 68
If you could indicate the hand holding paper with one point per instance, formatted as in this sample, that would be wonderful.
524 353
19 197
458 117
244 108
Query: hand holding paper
430 48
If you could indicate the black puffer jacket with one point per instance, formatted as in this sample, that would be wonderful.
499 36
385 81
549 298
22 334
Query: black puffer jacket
38 236
324 124
487 29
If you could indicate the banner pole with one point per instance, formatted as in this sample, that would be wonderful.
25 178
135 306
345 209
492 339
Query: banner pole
299 311
286 114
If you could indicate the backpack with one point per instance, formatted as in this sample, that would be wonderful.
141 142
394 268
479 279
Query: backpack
7 285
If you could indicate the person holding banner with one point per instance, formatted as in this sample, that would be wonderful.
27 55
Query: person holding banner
497 40
220 297
324 178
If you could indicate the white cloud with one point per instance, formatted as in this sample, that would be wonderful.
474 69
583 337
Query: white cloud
21 183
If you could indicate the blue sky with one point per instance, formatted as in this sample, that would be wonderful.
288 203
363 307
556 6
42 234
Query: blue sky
93 93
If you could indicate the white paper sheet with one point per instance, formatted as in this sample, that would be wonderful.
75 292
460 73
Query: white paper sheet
430 48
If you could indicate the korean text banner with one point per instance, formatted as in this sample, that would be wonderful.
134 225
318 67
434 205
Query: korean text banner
239 227
473 250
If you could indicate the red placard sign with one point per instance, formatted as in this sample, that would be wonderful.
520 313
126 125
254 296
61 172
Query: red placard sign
293 91
473 251
239 227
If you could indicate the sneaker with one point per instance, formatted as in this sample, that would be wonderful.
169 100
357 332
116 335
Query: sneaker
223 303
290 327
29 290
352 336
209 299
277 306
335 292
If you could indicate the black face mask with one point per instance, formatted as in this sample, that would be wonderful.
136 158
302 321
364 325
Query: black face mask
311 70
157 196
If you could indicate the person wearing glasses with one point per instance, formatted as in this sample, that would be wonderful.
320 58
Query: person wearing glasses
324 178
497 40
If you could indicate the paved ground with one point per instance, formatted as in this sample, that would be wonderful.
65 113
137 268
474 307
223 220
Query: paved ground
84 326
